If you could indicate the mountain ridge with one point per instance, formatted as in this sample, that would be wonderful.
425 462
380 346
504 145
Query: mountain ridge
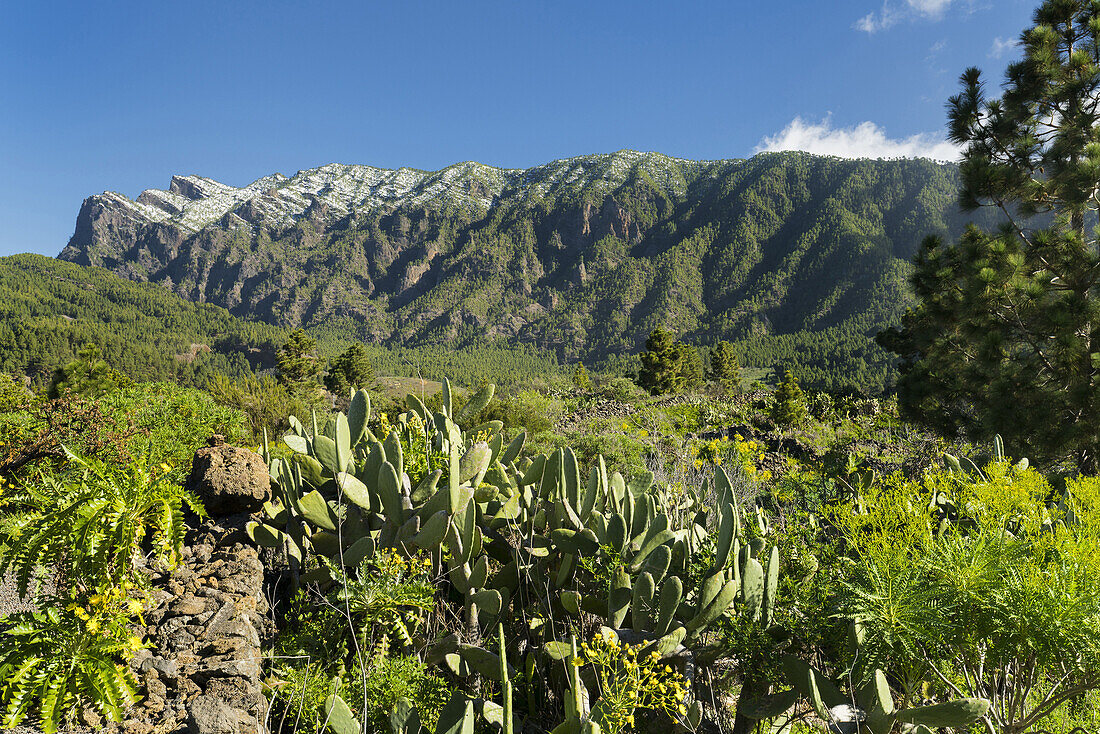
583 256
202 201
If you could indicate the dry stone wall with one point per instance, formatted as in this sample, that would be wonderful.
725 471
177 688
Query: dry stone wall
202 671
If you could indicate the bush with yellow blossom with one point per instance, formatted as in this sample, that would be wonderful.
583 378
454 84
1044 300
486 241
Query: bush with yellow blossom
747 455
387 593
63 658
90 531
629 682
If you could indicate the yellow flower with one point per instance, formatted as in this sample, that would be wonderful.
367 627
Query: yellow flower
92 625
134 606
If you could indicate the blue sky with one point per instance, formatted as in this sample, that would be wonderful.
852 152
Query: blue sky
120 96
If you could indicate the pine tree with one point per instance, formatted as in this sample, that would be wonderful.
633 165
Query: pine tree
660 373
88 374
581 379
351 369
1006 336
299 368
724 367
689 366
789 408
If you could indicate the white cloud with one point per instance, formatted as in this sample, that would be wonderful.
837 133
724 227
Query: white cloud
894 11
929 8
865 140
1000 45
875 22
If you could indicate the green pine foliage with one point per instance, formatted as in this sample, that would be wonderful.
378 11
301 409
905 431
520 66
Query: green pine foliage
789 408
49 310
299 368
690 366
1004 338
581 379
660 373
724 367
351 369
88 374
669 366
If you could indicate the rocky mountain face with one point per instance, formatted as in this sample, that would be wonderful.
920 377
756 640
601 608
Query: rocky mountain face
584 255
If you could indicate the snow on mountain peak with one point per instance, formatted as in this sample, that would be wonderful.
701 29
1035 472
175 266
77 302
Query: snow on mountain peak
195 202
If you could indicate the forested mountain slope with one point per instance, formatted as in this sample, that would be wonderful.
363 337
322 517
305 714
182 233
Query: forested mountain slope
796 258
49 309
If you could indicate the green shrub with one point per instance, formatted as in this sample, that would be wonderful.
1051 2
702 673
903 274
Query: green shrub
526 410
266 402
87 375
88 532
297 693
36 438
392 678
789 408
58 660
91 528
172 422
13 394
993 579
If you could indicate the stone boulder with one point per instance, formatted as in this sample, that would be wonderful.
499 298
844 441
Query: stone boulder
229 480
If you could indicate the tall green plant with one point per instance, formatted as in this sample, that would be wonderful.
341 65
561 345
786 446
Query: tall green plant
1003 338
515 538
966 581
89 533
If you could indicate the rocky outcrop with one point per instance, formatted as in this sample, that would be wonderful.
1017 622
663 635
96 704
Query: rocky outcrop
229 480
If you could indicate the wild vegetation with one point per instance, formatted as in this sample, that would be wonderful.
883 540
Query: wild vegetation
717 572
578 551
